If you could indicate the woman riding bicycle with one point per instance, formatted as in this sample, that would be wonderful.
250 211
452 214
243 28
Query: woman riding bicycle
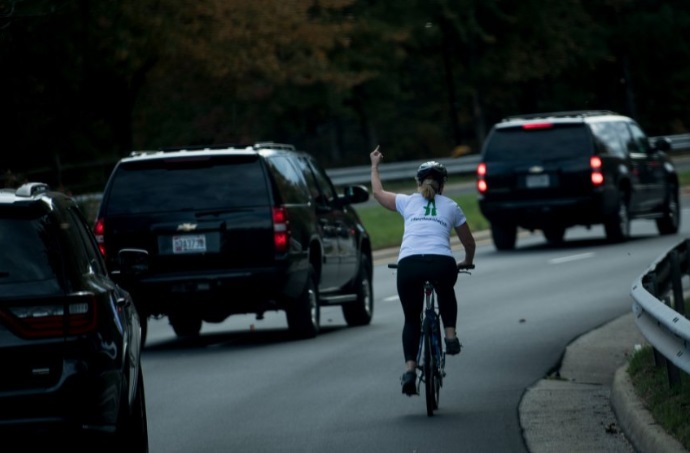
425 254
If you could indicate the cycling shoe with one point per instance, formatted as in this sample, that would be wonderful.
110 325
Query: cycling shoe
409 383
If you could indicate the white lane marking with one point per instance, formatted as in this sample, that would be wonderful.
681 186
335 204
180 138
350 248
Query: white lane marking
566 259
387 299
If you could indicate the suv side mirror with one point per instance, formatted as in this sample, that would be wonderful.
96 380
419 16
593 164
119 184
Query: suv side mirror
662 144
133 261
356 194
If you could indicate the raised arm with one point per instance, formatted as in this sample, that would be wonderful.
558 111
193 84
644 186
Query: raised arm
385 199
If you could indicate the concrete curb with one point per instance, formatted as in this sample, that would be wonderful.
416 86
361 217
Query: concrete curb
636 421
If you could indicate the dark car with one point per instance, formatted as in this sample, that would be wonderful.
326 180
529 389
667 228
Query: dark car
232 230
552 171
70 338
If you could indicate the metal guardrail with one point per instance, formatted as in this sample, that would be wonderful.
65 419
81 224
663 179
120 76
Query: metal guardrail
659 306
465 165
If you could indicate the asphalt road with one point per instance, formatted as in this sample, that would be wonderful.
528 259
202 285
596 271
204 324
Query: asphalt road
245 385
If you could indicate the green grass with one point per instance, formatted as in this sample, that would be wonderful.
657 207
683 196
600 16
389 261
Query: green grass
669 406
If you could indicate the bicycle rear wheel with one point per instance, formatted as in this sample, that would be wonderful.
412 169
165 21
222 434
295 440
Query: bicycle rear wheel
431 383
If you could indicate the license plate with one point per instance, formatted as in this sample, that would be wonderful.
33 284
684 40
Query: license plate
537 181
189 243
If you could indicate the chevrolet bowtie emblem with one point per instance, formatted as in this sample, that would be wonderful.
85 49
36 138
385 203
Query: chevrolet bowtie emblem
186 227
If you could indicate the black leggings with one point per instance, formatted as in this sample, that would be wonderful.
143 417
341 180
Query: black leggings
413 271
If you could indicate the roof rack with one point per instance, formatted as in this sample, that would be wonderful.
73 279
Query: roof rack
202 147
256 146
143 153
272 145
565 114
32 188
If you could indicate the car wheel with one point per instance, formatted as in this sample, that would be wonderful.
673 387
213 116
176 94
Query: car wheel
303 313
132 427
144 323
618 226
359 313
670 222
185 325
504 235
554 234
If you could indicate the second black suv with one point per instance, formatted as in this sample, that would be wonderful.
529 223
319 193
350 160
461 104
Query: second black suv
70 337
230 230
551 171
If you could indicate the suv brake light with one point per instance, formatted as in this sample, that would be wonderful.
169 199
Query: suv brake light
281 231
537 126
42 319
98 231
597 176
481 178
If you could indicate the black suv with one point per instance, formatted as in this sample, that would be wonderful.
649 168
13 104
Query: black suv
70 338
229 230
551 171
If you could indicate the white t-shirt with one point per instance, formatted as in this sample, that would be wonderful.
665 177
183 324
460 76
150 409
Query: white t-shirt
428 224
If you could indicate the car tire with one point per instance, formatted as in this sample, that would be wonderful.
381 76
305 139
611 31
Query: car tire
185 325
504 235
670 222
132 427
554 234
360 312
304 314
144 323
617 227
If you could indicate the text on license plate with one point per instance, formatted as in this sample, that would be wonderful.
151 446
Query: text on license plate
190 243
536 181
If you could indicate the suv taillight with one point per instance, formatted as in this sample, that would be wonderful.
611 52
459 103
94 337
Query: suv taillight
98 231
529 126
281 232
481 178
41 319
597 177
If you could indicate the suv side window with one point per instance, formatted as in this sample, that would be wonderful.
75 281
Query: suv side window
96 264
608 136
626 138
639 141
317 181
323 181
289 182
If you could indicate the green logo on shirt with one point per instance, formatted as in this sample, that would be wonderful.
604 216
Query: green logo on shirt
430 206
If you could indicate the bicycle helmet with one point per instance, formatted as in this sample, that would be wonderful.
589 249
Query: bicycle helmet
432 169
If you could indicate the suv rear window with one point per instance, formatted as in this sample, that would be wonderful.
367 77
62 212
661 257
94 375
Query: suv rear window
30 252
554 142
199 183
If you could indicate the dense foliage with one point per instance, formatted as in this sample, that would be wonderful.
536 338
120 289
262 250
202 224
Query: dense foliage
86 82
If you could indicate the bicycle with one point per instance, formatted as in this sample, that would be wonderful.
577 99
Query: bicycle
431 359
